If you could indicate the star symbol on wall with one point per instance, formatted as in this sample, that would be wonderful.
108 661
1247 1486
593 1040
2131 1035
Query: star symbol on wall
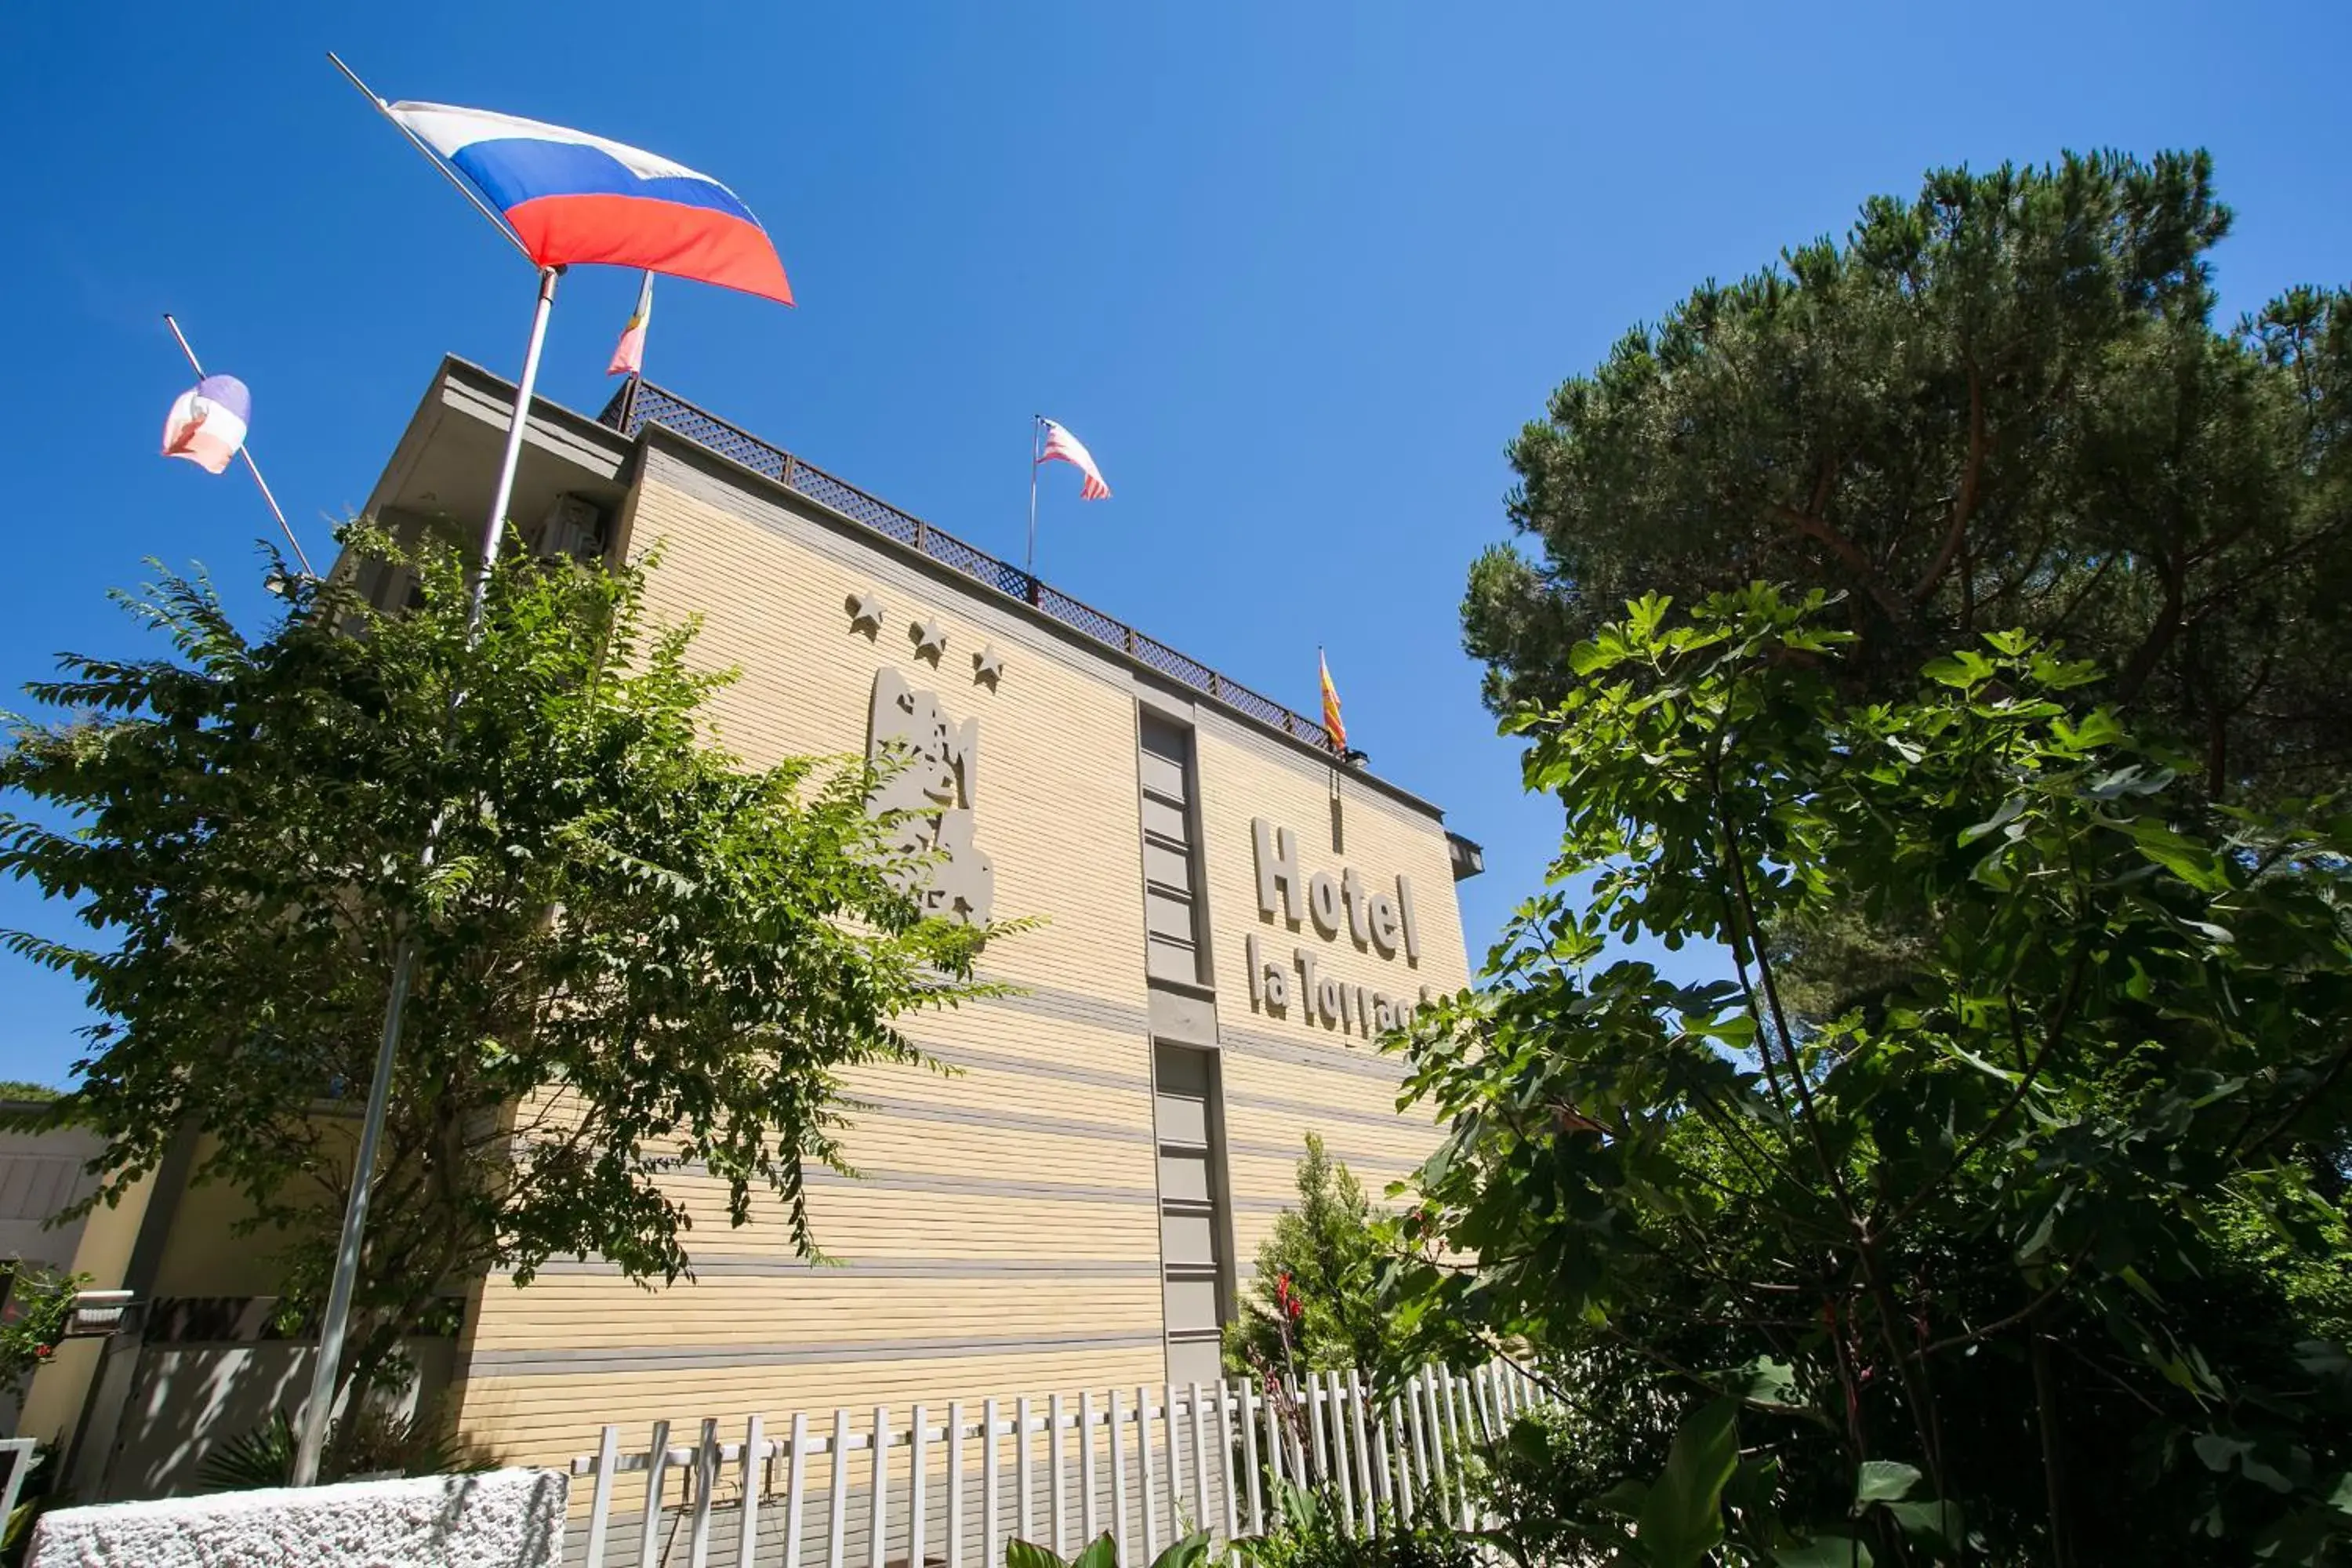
988 664
866 609
930 641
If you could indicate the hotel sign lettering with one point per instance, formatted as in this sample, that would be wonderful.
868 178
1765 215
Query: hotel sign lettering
1376 920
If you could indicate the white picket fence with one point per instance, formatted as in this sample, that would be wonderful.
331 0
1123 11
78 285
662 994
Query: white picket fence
902 1496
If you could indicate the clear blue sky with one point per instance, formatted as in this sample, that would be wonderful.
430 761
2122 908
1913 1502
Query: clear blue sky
1296 273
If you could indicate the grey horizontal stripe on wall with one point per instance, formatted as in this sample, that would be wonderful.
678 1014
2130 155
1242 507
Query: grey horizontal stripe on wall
990 1061
569 1360
888 1268
1060 1126
1295 1152
1051 1002
1333 1059
963 1057
960 1186
1328 1113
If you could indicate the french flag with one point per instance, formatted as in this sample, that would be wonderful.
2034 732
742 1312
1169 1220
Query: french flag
208 422
571 197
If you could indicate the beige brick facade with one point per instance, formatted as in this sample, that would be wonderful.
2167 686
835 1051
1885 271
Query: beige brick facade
1006 1236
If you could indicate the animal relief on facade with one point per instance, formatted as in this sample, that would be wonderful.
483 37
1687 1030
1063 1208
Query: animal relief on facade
932 792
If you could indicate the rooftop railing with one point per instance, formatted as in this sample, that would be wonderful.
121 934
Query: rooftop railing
639 404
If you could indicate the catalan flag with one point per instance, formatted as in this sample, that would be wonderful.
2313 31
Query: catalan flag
629 354
1332 724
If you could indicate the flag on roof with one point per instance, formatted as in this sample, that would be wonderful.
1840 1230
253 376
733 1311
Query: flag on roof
573 197
207 423
629 354
1332 726
1061 446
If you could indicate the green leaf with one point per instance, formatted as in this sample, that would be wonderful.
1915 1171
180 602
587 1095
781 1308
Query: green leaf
1883 1480
1824 1552
1188 1553
1026 1554
1937 1521
1765 1381
1682 1518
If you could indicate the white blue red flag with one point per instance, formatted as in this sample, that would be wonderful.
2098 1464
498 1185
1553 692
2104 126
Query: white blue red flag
573 197
629 354
207 423
1061 446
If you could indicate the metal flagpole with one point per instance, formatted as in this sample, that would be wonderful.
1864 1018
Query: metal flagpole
244 451
431 157
337 1321
1037 428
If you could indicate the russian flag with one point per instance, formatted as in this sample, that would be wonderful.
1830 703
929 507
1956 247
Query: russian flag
571 197
207 423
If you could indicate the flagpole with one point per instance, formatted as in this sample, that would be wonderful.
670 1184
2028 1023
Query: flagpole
336 1323
1036 425
431 157
244 451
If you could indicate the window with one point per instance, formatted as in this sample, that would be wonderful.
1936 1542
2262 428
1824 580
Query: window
1191 1210
1172 925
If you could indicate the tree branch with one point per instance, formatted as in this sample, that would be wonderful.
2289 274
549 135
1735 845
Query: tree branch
1964 505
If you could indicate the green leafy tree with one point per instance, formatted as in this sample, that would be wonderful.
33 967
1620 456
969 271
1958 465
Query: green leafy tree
1311 1306
1946 1277
35 1305
2002 404
634 953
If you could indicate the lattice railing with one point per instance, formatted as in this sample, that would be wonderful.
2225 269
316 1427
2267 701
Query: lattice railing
639 404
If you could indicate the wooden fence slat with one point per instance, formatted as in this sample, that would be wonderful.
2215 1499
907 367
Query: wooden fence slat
1403 1461
1381 1469
1226 1447
1363 1447
1318 1467
837 1504
918 1504
1425 1390
1022 1477
1089 1516
1175 1463
1055 1489
1200 1520
955 1484
600 1506
1447 1394
795 1489
1340 1456
1420 1468
706 1482
747 1520
1117 1479
989 1480
649 1519
1249 1456
1143 1462
877 1496
1274 1446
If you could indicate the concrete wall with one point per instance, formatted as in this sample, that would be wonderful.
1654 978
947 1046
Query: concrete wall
511 1519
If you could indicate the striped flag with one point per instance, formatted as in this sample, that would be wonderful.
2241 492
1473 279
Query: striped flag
1332 725
1061 446
207 423
629 354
